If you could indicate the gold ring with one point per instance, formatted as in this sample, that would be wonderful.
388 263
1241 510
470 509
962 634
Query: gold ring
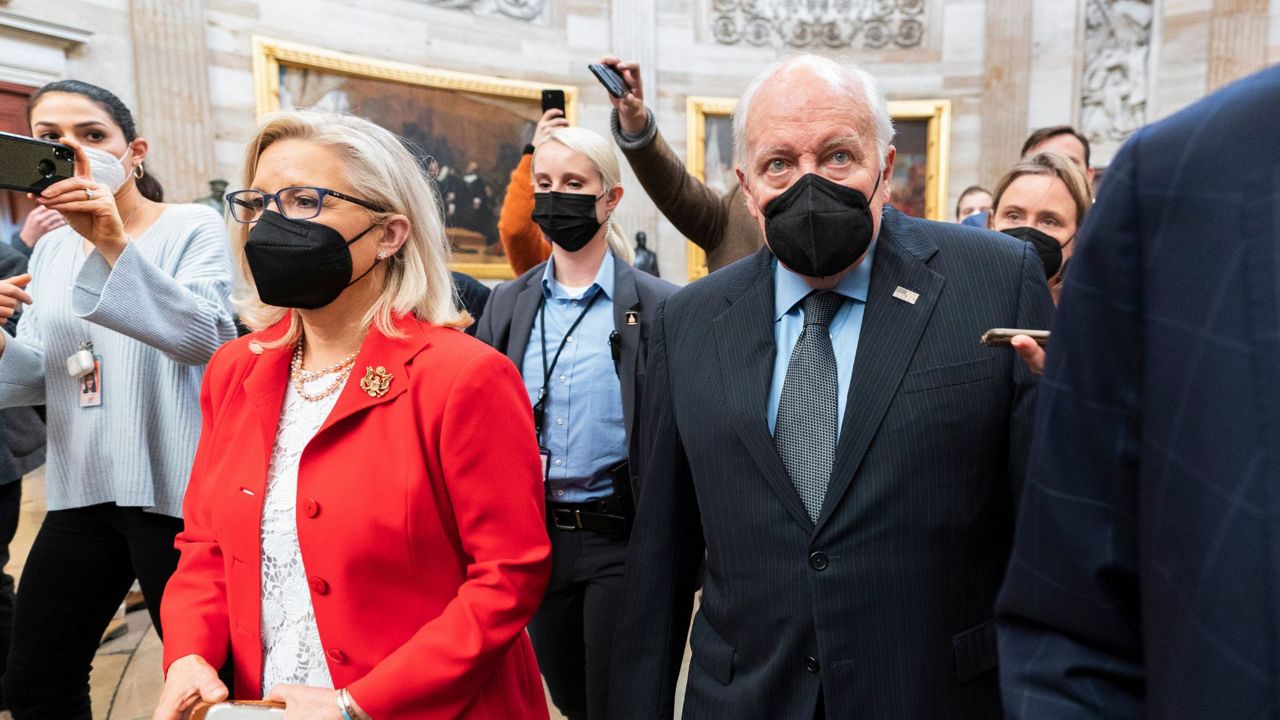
88 193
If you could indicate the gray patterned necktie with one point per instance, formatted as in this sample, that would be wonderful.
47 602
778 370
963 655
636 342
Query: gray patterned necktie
806 428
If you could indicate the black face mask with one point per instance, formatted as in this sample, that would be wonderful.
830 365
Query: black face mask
568 219
818 227
298 263
1046 246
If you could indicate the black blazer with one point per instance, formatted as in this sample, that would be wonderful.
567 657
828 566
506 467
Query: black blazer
886 604
1145 580
22 429
509 313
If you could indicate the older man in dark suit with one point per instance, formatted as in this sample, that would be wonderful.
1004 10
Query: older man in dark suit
823 427
1145 580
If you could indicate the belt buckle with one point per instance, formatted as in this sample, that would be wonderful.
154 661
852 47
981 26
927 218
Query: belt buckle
566 519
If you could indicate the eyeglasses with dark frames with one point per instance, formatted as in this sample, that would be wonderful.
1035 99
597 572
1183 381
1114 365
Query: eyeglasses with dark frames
295 203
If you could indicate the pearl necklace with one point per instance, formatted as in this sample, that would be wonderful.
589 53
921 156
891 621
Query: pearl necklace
300 377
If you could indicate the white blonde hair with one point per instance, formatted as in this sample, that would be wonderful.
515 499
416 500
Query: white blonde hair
379 168
856 82
600 152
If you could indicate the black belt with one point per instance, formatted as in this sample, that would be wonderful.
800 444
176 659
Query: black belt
609 516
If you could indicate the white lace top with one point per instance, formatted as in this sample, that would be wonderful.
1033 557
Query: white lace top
291 650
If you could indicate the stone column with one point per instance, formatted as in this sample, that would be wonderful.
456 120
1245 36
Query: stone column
1006 78
1237 40
173 109
633 30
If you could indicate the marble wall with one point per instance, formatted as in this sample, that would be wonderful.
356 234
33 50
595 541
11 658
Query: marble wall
1006 65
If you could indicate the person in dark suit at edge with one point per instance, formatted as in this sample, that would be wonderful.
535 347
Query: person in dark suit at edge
1145 578
823 427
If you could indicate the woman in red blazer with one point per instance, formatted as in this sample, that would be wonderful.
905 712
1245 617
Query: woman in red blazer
364 524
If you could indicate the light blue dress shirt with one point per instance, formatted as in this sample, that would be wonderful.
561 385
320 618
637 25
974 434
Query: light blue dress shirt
789 289
583 428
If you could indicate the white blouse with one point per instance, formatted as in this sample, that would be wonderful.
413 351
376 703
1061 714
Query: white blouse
291 649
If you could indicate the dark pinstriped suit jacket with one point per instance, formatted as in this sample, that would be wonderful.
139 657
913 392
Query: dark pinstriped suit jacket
1145 581
886 605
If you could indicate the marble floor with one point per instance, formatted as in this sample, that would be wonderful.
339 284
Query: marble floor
126 679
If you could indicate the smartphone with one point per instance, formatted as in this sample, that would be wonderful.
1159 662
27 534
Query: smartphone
1000 337
552 100
244 710
30 165
610 79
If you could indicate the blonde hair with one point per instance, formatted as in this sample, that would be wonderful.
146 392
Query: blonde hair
381 170
1051 164
600 152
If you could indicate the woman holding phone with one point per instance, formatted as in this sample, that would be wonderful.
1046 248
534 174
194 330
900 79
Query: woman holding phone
364 528
130 299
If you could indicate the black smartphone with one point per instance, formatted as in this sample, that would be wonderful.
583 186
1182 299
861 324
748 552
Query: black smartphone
30 165
552 100
610 79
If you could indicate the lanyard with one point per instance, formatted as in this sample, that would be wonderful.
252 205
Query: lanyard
539 408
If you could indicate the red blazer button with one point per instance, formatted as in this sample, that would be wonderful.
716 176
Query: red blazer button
336 656
319 586
311 508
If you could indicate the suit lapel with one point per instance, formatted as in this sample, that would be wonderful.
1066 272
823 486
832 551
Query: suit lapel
265 385
891 330
627 299
744 339
379 356
522 318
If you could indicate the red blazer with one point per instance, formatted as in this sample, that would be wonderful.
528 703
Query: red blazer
420 520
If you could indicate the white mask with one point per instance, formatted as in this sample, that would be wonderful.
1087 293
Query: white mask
107 168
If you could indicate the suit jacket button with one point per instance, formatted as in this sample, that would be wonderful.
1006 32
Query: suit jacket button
811 664
336 655
818 561
319 586
311 507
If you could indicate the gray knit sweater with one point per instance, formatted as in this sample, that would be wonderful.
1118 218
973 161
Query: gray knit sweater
154 319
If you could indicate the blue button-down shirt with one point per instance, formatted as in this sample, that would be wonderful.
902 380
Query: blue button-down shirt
583 428
789 289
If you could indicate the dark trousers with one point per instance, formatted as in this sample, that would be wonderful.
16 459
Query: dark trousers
10 504
80 567
572 631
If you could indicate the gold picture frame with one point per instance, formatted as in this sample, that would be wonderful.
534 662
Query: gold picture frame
934 117
271 55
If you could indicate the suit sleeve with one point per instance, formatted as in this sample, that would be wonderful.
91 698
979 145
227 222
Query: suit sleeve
194 611
520 235
696 210
663 559
496 492
1070 644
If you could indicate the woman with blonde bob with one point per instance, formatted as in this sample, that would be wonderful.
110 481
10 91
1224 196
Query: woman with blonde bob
1043 200
364 524
576 326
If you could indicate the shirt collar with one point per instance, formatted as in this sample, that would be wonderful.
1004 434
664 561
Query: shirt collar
789 288
604 280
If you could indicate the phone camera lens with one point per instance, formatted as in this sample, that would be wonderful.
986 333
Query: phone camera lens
46 168
65 154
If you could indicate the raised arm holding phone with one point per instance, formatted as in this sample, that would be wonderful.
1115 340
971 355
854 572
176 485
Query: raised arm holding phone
137 293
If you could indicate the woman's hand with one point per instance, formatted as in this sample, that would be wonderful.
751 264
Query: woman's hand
40 222
12 296
550 122
1030 352
190 680
631 115
308 703
88 206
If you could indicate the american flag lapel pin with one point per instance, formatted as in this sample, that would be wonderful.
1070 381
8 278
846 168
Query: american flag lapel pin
905 295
